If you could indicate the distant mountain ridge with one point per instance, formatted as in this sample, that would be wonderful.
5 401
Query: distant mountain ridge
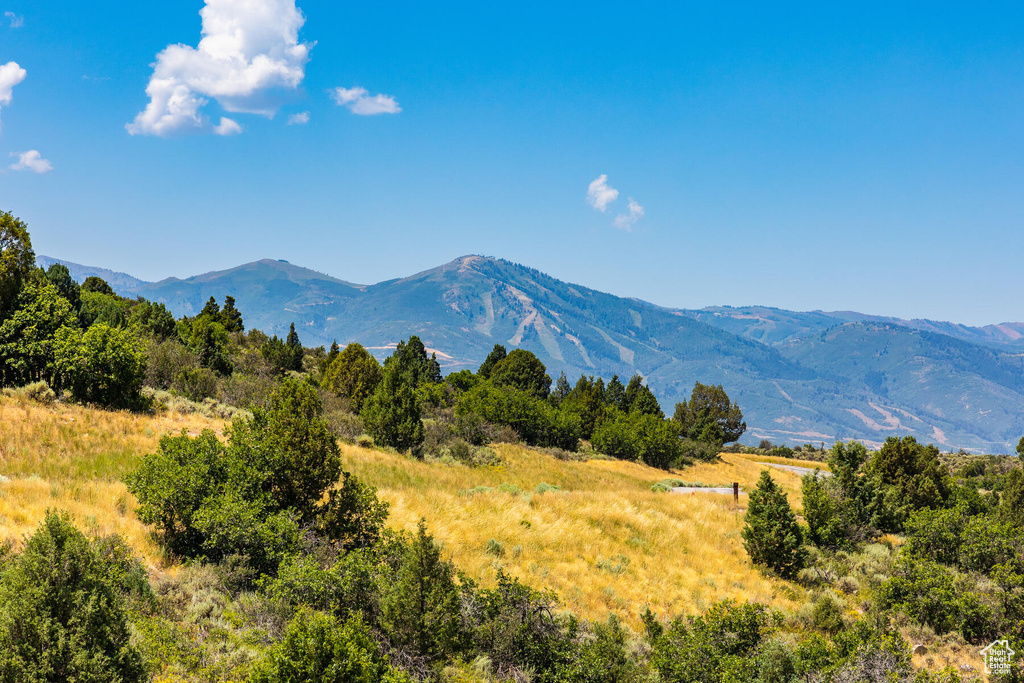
799 377
119 281
775 326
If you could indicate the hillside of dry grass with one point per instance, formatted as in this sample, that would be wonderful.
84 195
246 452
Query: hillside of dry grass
72 458
593 531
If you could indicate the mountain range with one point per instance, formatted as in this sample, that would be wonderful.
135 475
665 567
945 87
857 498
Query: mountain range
798 376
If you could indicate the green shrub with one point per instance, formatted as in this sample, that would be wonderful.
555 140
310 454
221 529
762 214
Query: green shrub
316 647
643 437
392 414
195 384
771 534
246 501
528 416
60 618
103 365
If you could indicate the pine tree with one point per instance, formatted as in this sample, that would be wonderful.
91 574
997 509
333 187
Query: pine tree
771 534
421 611
562 388
294 347
392 414
211 310
332 354
231 317
615 393
496 355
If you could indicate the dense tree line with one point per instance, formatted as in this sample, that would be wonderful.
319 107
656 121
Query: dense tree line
510 397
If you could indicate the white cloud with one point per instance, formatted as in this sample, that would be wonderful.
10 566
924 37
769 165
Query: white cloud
359 101
299 119
16 21
31 160
227 127
626 221
249 55
10 75
600 194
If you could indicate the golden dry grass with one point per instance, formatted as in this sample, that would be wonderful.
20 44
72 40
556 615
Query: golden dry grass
73 443
67 457
605 543
99 508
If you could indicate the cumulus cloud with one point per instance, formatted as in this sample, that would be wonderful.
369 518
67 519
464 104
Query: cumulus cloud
299 119
248 57
16 21
32 161
600 194
360 101
227 127
626 221
10 75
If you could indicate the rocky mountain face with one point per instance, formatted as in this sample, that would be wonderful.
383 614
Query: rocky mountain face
799 377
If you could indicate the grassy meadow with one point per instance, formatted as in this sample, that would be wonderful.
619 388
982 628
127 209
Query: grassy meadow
593 531
72 458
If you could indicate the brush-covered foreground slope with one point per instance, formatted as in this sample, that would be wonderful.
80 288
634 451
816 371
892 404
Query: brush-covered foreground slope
782 367
603 540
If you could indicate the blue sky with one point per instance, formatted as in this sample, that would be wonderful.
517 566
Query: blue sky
866 158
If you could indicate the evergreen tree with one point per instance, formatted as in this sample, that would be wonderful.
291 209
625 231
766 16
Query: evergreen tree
1020 447
392 415
643 402
522 370
586 403
294 348
771 534
230 317
497 354
211 310
293 446
60 619
411 360
710 404
353 374
97 285
421 612
615 394
209 340
16 260
562 389
633 389
332 354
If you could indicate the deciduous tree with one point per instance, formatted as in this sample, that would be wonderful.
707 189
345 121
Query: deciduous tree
16 260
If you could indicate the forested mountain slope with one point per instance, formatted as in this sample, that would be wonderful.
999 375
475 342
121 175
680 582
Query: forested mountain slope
798 376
